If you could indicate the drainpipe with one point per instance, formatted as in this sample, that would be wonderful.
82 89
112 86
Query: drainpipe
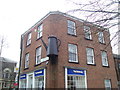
21 43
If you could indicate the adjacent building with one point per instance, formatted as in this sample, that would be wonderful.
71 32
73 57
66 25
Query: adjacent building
7 74
117 67
71 54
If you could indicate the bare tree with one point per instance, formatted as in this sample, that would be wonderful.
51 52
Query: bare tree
3 43
104 13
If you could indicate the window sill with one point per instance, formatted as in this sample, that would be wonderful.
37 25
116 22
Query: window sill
73 62
106 66
91 64
102 43
28 45
37 64
88 39
38 38
26 68
72 35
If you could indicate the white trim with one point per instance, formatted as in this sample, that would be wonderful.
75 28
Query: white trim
44 78
44 59
28 79
85 79
66 78
33 80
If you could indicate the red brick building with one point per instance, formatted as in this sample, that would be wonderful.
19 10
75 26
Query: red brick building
84 57
117 67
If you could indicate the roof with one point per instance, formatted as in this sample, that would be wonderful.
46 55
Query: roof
116 56
64 14
7 60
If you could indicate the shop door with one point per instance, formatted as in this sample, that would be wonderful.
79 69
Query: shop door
30 82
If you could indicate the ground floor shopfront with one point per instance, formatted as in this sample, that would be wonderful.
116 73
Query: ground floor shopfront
73 78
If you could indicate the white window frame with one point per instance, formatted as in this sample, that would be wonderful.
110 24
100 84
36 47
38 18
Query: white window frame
101 37
90 54
27 57
44 77
66 77
29 38
104 58
39 31
107 83
87 32
71 27
72 49
38 55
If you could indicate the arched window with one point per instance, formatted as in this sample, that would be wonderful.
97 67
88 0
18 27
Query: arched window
6 73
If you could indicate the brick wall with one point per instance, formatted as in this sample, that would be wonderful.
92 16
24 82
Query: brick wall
56 24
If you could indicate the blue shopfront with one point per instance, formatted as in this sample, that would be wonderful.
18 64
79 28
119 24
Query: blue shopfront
75 78
35 79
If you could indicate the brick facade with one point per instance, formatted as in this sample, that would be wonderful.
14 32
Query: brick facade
55 23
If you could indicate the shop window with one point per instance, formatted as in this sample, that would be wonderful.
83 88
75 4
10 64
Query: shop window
39 79
23 83
76 79
107 84
39 82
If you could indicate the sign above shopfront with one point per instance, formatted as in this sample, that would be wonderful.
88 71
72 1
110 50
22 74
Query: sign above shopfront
75 72
23 76
39 72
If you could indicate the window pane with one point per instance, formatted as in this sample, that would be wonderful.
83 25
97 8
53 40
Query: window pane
90 55
39 82
76 82
72 53
38 55
29 39
71 27
39 31
104 58
27 60
101 37
87 32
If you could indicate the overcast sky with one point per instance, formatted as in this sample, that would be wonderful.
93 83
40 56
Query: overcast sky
17 16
